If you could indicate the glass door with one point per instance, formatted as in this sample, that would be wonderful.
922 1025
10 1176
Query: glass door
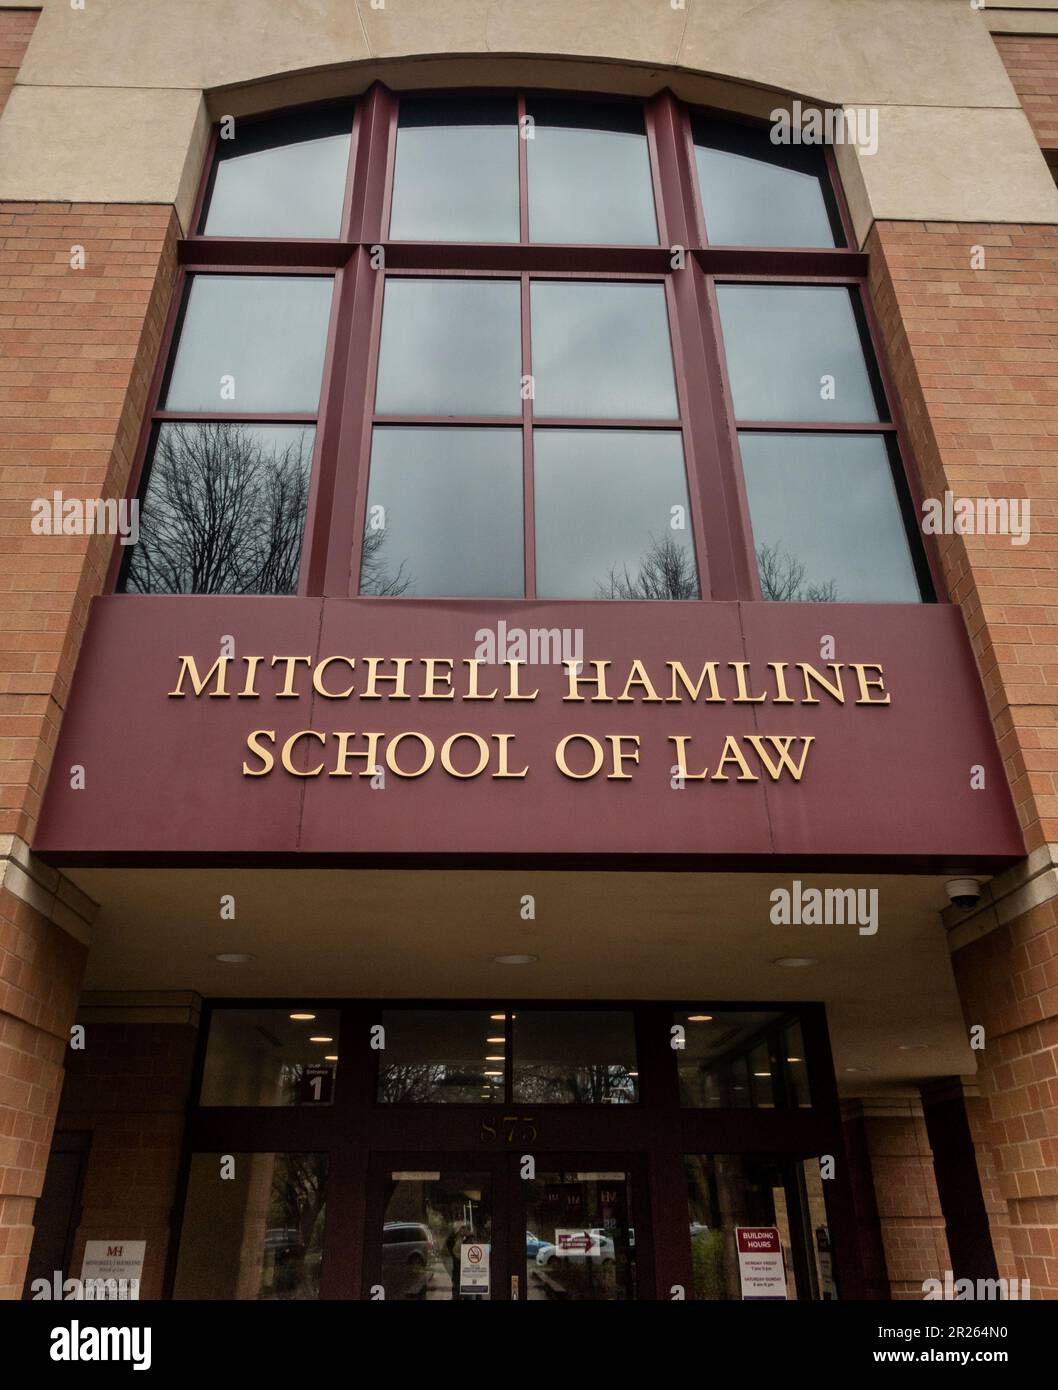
580 1231
436 1230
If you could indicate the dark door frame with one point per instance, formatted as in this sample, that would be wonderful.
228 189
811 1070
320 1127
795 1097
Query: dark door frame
355 1128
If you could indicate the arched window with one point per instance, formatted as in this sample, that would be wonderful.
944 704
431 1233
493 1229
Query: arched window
522 346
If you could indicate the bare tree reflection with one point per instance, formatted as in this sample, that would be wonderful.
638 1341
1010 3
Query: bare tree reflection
375 578
782 579
224 511
295 1220
666 571
415 1083
587 1085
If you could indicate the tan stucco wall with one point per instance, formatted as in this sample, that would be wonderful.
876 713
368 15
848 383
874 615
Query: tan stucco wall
108 101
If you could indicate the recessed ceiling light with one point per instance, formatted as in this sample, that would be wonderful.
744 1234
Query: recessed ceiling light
495 1059
498 1018
795 962
494 1073
515 960
234 958
859 1069
321 1039
495 1040
303 1017
331 1057
913 1047
795 1059
699 1018
762 1073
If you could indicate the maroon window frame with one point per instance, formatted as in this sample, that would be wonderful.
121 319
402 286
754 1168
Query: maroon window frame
720 524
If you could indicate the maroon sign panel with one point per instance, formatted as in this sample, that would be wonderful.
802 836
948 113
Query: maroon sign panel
333 727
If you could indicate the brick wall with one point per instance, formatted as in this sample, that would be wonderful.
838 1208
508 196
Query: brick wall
974 355
16 29
77 348
40 976
1032 64
1008 982
901 1226
129 1087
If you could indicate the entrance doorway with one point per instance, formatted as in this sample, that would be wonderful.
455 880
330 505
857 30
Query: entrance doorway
568 1228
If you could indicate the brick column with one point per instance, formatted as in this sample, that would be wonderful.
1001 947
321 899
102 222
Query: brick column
79 337
128 1088
973 347
898 1210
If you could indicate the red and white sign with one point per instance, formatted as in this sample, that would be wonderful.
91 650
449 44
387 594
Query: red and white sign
578 1243
760 1263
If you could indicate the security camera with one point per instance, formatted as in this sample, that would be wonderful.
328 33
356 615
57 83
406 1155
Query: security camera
963 892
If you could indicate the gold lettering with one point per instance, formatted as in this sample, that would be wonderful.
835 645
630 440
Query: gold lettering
248 691
317 678
446 755
288 749
618 756
513 693
598 680
744 697
810 674
859 667
253 742
638 676
373 677
783 697
472 688
288 692
504 771
188 667
708 673
433 676
681 741
781 744
428 754
563 766
733 756
370 756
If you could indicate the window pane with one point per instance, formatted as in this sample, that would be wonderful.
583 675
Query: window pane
450 347
755 193
796 1067
782 341
826 519
724 1192
444 514
251 342
456 174
589 175
270 1057
721 1057
606 501
574 1058
223 511
256 1234
580 1242
601 349
428 1219
442 1055
281 178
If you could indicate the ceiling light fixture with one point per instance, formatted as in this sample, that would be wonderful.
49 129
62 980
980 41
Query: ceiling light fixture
699 1018
515 960
300 1018
321 1040
234 958
795 962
